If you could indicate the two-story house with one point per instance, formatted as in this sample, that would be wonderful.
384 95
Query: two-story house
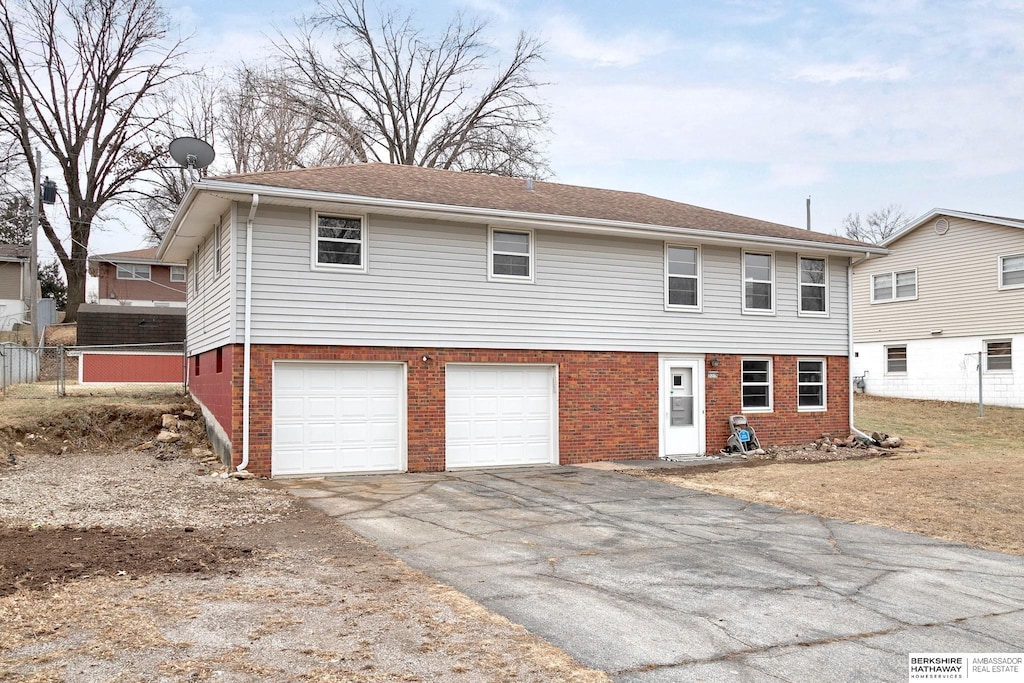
374 318
950 291
138 278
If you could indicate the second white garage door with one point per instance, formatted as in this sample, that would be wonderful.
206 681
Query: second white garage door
500 415
332 418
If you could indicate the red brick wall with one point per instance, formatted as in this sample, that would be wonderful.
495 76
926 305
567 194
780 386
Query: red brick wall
784 425
607 408
131 367
216 390
158 288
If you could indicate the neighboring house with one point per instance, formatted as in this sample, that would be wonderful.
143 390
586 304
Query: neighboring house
399 318
140 344
951 288
138 278
14 284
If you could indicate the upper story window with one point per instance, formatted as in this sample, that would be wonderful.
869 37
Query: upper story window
682 277
899 285
339 242
511 255
999 355
896 359
813 286
178 273
757 385
132 271
758 282
810 384
1011 271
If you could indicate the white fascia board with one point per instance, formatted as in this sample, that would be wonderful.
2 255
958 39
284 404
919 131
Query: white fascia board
511 219
179 217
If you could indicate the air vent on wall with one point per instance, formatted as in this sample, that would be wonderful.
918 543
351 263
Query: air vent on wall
941 226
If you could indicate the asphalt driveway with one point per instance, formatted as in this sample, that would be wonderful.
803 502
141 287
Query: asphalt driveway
651 582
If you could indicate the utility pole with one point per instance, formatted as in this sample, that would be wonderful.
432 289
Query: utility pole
32 299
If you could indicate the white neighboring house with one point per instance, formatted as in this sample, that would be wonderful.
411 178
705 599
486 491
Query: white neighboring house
951 288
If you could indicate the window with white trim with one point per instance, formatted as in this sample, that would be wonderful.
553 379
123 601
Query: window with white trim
896 359
999 355
756 385
132 271
339 242
178 273
682 277
900 285
810 384
813 285
758 282
511 253
1011 271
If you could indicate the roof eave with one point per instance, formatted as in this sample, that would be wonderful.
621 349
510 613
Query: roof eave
575 223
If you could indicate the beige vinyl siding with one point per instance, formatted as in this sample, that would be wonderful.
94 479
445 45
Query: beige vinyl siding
208 315
427 286
10 280
957 284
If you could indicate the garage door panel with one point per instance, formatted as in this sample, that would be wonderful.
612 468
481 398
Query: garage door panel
499 415
338 417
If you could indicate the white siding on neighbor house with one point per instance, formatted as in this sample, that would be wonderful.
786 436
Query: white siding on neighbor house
208 315
427 286
941 370
957 284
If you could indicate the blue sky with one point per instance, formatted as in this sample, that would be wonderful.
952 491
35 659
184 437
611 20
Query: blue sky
746 106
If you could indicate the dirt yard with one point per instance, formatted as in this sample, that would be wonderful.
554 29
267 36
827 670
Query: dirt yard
118 565
964 483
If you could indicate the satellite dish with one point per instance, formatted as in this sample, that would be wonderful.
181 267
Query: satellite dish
191 153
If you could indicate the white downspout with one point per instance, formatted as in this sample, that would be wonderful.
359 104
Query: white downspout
248 332
849 326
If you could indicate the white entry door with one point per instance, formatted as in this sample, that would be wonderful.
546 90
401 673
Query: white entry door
500 415
682 406
332 418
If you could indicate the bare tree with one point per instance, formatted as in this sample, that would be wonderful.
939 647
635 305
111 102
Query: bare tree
268 127
879 225
416 100
79 78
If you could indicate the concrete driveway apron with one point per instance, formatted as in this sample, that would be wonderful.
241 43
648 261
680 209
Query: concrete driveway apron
652 582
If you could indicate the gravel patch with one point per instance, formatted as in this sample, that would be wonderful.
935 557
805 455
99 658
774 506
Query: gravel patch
129 490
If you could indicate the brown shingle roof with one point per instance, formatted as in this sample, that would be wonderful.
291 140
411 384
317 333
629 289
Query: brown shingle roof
14 251
435 186
148 254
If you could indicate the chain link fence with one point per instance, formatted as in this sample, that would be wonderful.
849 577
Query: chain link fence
117 370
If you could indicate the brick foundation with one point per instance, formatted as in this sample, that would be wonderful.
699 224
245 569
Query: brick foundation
607 404
785 425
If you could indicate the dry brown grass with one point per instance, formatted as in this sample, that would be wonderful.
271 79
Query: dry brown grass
964 484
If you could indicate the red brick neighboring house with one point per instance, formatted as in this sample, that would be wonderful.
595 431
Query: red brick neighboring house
138 278
380 318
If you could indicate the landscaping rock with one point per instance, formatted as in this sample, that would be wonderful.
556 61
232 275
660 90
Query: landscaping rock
167 436
188 414
144 446
168 421
242 474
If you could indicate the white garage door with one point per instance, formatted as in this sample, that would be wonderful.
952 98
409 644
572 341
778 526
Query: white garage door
499 415
338 417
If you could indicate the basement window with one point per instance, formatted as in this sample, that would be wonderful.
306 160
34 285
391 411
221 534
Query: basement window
810 384
999 355
896 360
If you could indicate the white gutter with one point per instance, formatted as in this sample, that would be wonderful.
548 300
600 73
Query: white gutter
849 325
499 216
248 332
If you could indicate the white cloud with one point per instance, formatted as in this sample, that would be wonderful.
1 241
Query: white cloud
795 175
833 73
565 36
